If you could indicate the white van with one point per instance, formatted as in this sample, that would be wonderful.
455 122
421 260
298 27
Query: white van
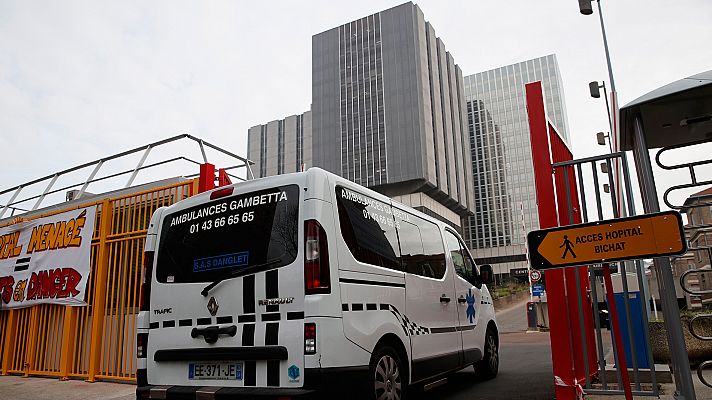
285 285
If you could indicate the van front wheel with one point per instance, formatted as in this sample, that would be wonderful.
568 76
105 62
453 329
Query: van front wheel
488 367
388 380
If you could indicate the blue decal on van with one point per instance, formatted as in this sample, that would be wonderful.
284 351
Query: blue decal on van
223 261
470 305
293 372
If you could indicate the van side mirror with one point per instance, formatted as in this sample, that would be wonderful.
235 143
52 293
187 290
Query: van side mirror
486 274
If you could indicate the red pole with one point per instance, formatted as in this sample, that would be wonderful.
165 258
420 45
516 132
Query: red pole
207 178
615 326
562 351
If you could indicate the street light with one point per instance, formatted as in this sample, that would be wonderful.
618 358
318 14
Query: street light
593 88
585 7
601 139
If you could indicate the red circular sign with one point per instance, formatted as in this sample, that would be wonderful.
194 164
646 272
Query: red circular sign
535 275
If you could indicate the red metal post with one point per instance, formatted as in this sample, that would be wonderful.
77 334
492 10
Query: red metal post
560 152
207 178
566 336
223 178
561 347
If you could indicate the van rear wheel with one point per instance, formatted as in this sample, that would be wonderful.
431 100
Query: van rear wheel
387 375
488 367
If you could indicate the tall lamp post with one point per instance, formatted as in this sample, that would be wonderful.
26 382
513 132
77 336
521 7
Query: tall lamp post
680 364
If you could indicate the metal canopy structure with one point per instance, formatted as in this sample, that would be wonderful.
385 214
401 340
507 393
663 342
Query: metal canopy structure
677 113
673 116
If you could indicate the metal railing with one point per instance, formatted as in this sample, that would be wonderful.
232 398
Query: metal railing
50 180
701 250
599 381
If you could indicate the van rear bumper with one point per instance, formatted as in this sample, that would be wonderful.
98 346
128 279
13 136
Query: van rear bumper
340 380
218 393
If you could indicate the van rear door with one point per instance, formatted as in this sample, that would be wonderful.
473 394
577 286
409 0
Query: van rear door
227 301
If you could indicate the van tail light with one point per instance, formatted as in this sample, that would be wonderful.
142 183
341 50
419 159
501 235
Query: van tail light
224 192
316 259
147 273
141 345
310 338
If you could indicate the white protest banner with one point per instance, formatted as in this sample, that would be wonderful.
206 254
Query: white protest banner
46 260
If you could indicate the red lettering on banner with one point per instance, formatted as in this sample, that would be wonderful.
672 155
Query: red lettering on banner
6 284
54 284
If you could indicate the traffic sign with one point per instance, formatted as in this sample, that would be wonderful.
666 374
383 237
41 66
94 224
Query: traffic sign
649 235
537 289
535 275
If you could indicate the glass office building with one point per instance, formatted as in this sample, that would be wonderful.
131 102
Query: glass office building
505 199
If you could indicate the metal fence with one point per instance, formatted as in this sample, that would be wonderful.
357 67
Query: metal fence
585 176
96 341
698 232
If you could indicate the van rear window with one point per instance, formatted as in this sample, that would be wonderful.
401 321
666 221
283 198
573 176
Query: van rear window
200 243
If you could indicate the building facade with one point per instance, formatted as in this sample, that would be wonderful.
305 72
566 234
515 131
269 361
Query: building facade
505 198
281 146
698 232
388 112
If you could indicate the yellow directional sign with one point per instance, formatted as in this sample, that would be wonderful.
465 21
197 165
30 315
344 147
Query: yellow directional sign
650 235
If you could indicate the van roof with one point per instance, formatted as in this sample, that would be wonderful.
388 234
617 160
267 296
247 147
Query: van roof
311 175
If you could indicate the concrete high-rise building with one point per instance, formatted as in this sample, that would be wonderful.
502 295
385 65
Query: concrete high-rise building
505 197
281 146
388 112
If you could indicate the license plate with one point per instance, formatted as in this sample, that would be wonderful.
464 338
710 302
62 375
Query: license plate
215 370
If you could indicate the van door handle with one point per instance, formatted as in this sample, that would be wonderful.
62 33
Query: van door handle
211 333
444 299
462 299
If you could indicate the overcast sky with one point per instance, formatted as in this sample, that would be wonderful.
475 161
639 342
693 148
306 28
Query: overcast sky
80 80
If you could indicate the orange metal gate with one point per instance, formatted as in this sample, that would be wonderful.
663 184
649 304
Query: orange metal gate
96 341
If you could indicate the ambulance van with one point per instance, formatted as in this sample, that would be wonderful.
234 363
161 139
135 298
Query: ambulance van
287 285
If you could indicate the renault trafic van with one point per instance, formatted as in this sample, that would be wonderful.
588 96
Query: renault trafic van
285 285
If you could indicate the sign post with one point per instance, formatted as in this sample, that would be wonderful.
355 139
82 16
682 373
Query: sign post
650 235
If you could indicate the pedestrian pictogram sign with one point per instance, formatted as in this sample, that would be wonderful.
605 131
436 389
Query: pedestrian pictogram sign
650 235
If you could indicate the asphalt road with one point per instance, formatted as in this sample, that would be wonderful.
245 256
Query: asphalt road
525 370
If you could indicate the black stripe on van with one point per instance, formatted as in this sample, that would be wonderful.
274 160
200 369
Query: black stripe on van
248 339
271 317
250 373
371 283
272 288
295 315
272 339
246 318
248 294
248 335
153 325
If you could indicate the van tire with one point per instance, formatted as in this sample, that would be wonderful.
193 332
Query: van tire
387 375
488 367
